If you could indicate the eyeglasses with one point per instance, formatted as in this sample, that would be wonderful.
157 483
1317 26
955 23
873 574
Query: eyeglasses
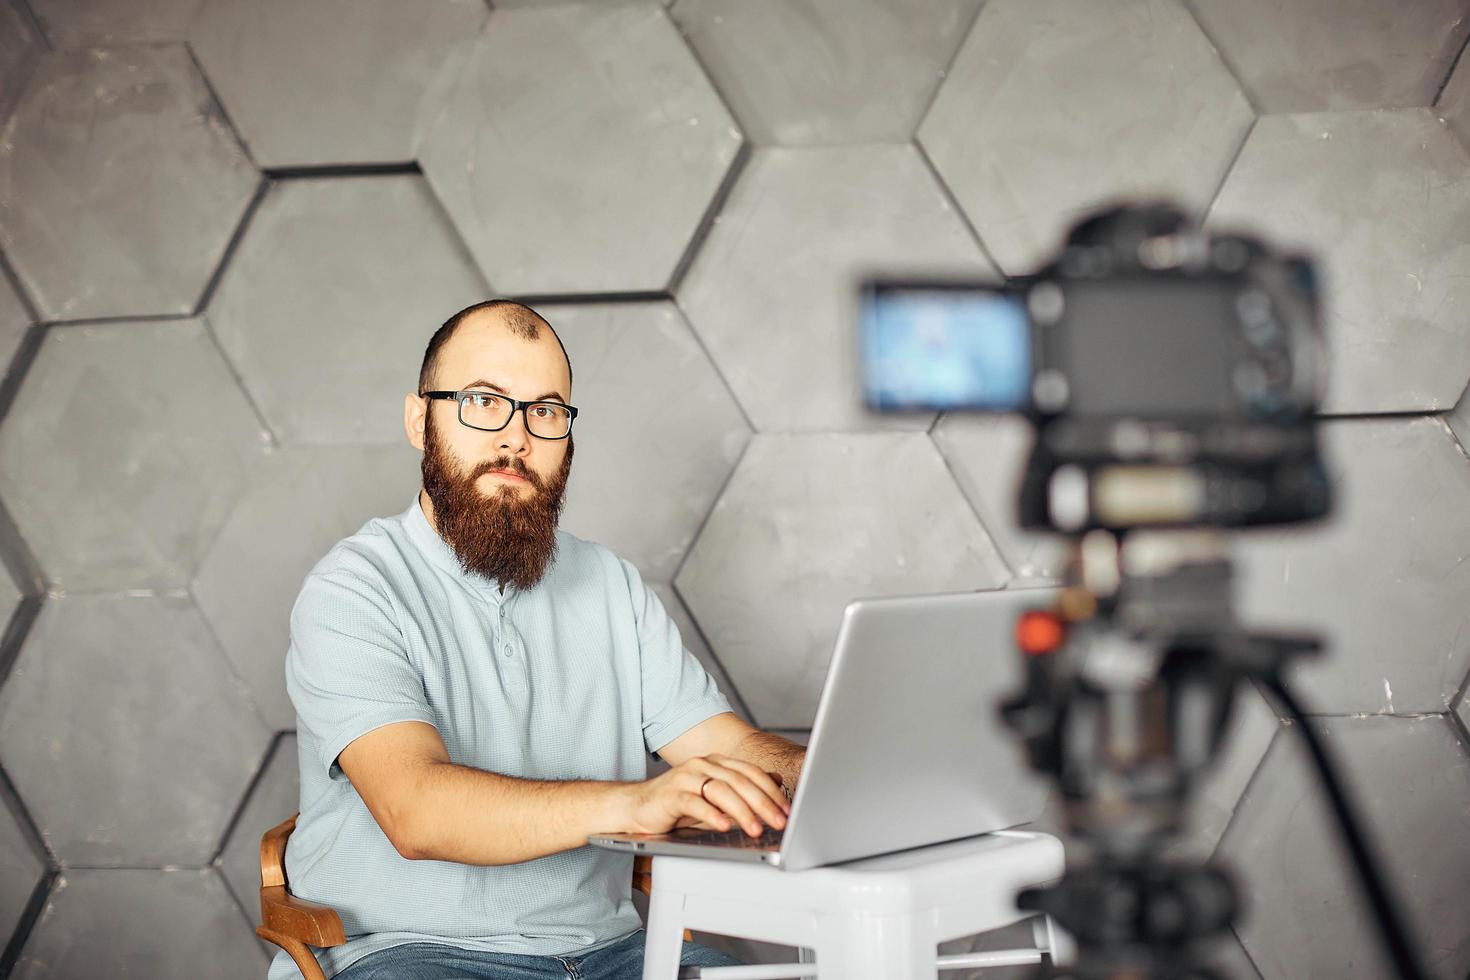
491 412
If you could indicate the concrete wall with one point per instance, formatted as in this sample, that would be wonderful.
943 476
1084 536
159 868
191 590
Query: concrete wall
229 227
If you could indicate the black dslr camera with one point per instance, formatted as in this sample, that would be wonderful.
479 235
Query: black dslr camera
1172 378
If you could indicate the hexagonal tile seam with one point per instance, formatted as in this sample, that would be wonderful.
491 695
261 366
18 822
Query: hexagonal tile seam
25 572
10 799
12 374
1455 63
30 916
219 103
1283 731
693 540
970 504
429 119
712 209
949 195
1229 66
1463 449
39 32
240 681
1457 722
727 183
724 381
1245 138
954 204
245 903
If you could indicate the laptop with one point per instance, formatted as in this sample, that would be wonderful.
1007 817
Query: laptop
907 748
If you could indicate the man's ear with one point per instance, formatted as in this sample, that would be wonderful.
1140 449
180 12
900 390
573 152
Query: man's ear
414 410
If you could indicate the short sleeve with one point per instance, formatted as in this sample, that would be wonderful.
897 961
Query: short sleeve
678 693
347 668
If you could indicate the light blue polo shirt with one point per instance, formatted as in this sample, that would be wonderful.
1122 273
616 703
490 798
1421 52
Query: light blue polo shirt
578 677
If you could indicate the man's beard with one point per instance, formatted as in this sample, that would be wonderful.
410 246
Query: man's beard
500 536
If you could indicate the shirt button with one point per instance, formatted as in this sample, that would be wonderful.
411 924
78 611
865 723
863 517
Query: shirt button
509 652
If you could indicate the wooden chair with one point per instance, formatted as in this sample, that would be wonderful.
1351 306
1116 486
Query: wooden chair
295 925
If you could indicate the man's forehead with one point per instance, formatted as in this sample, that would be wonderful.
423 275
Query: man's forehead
485 348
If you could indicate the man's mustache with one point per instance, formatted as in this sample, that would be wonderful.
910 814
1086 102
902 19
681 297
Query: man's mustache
515 465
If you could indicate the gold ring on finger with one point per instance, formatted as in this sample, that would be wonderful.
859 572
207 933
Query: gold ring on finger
707 781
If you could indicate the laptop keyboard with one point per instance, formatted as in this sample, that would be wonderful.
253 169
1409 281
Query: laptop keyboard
769 840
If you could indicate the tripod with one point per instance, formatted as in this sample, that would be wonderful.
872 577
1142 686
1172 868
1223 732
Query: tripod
1130 685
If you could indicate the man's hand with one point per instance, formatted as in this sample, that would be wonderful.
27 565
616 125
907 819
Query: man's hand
714 790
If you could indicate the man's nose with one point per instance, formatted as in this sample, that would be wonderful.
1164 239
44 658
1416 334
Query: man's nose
514 437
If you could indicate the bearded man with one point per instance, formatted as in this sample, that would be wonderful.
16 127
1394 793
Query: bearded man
477 692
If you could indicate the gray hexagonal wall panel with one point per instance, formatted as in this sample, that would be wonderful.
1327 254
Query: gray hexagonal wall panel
298 504
807 524
1454 102
20 48
580 149
1314 55
123 183
1385 582
828 71
126 732
332 295
21 869
657 435
123 453
169 924
333 81
1382 200
275 796
1054 106
1410 780
988 455
73 23
773 289
15 320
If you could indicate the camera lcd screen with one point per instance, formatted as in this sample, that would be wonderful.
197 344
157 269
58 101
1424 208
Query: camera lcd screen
1151 349
945 348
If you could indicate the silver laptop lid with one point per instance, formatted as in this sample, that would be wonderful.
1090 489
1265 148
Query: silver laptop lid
907 747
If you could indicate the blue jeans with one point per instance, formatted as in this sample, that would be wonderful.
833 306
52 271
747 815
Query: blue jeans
622 960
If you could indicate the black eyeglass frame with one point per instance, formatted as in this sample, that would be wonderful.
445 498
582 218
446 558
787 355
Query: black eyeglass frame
516 406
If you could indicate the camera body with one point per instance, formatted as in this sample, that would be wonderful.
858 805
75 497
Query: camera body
1171 376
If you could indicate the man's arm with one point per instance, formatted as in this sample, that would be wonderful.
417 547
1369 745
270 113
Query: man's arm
432 809
726 735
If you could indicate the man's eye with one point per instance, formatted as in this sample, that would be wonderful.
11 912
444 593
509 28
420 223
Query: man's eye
544 411
484 401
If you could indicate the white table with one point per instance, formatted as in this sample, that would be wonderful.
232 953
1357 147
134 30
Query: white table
881 918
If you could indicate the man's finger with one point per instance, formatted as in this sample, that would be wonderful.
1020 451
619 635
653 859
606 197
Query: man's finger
724 794
703 811
762 779
756 797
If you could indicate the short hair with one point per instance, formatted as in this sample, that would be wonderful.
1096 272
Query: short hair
518 318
